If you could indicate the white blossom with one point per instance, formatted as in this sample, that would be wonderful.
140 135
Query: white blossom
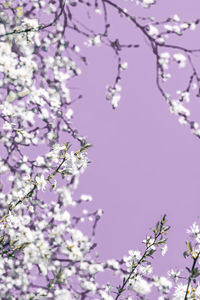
178 108
164 250
41 182
153 31
145 3
86 197
140 286
180 59
69 113
164 59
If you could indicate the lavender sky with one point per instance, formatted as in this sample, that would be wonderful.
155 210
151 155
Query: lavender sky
144 163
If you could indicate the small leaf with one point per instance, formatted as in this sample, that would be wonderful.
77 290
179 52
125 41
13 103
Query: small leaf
189 247
20 12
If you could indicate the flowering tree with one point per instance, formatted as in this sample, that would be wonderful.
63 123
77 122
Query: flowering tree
44 254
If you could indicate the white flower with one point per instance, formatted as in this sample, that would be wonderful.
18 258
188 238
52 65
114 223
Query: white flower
192 26
141 286
13 221
63 295
41 182
115 100
145 3
45 113
62 216
86 198
77 49
65 196
194 229
174 274
177 108
168 27
180 291
197 291
124 65
89 286
32 23
186 96
105 296
180 59
163 284
175 18
146 269
153 31
43 268
164 59
194 86
69 113
100 212
40 160
7 126
184 25
98 11
164 250
135 254
93 41
165 76
177 29
182 120
149 242
97 39
113 263
95 268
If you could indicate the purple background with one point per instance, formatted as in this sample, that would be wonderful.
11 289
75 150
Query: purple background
144 163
